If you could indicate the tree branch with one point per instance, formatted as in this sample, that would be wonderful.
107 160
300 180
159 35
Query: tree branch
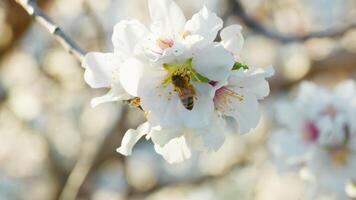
94 151
35 11
256 26
194 181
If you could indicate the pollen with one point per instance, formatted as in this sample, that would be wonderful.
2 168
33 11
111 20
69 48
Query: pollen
339 154
185 34
224 98
145 114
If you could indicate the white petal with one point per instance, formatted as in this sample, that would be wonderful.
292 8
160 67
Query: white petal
346 90
213 62
159 100
126 36
351 189
253 82
116 93
131 138
131 73
167 16
175 151
289 116
101 69
232 38
205 23
287 149
213 135
161 136
245 112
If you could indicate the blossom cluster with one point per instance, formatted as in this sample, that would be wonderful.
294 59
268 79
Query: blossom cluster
185 82
318 138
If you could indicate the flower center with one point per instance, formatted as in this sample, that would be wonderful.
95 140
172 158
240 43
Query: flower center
183 70
223 98
311 132
181 77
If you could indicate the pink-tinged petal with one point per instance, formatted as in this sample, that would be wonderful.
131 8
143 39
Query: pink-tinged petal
101 69
232 38
213 62
127 35
167 17
131 137
205 23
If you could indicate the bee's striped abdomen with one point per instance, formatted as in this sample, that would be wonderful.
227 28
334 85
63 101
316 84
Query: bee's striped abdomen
188 103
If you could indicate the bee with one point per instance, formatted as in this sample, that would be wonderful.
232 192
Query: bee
185 90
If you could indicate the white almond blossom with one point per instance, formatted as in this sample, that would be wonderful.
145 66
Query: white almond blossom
319 138
239 97
179 76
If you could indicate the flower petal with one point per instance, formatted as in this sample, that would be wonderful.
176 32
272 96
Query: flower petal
131 73
126 36
161 136
131 138
175 151
205 23
232 38
167 17
101 69
213 62
213 135
287 149
159 100
116 93
253 82
245 112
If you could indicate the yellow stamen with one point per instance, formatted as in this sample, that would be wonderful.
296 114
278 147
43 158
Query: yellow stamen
339 154
185 34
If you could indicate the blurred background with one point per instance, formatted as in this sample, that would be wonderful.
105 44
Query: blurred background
53 145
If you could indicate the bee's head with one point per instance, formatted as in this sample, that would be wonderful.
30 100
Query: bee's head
175 77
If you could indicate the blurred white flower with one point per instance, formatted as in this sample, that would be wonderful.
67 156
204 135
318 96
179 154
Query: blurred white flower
351 189
178 75
318 138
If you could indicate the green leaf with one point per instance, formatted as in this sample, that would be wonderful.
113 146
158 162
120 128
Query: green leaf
238 66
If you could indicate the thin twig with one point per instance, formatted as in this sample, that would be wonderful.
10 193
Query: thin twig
194 181
95 20
91 151
35 11
257 27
